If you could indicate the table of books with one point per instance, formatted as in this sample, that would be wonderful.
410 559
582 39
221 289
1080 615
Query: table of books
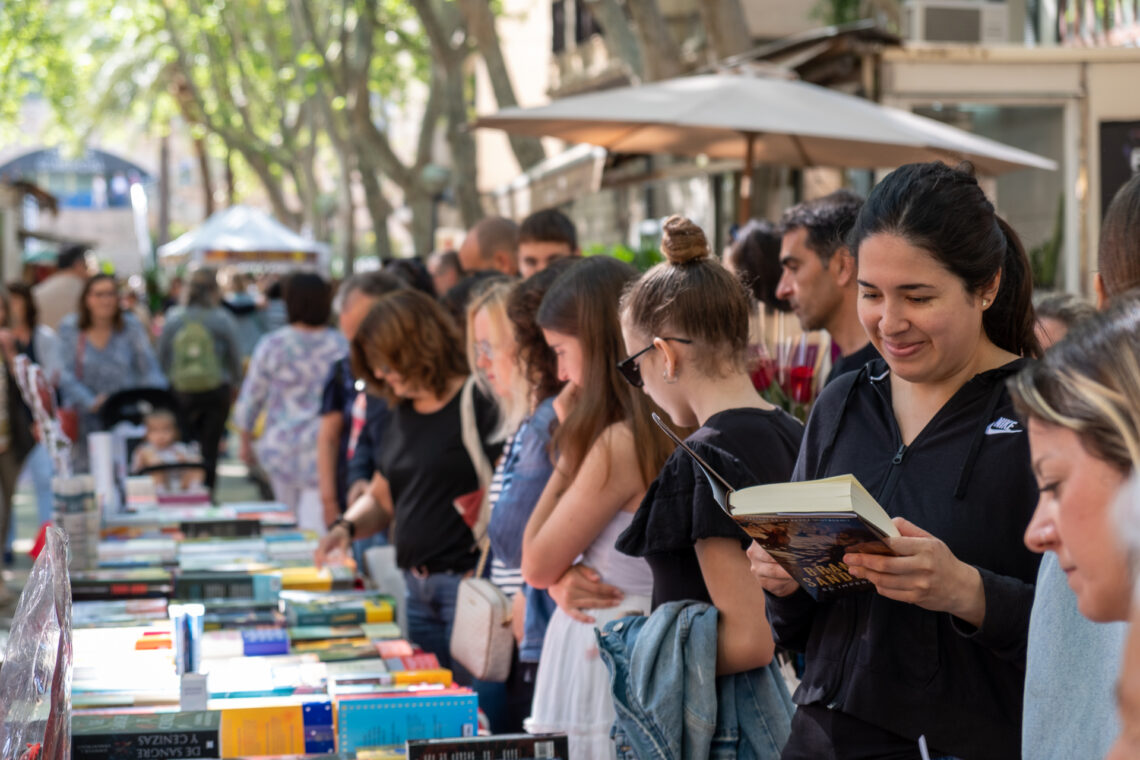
225 641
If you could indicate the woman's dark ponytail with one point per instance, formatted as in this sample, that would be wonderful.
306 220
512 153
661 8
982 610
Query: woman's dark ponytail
1009 321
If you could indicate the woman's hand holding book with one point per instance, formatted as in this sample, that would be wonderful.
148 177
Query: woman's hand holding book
772 577
925 573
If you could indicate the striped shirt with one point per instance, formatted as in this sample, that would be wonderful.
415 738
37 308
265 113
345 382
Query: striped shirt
509 579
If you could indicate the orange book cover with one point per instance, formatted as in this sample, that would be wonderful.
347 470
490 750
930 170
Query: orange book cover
255 731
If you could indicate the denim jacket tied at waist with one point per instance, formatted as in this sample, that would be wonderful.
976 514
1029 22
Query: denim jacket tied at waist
671 704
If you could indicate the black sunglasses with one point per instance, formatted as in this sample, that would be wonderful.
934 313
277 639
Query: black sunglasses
630 369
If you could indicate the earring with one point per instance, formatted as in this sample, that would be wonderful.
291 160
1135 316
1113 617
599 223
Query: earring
667 379
985 303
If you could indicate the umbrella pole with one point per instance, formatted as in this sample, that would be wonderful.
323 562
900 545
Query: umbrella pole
744 203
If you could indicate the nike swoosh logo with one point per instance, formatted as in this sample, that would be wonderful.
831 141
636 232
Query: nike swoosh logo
992 430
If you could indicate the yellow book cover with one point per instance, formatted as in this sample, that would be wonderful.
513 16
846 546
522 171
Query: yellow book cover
306 578
319 645
413 677
257 731
377 612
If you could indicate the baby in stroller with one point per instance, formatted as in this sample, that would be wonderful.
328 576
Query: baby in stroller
162 447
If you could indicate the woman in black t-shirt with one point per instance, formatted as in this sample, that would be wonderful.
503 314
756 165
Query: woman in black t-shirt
695 369
410 352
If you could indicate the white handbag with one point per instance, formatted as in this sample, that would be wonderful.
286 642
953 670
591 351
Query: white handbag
482 640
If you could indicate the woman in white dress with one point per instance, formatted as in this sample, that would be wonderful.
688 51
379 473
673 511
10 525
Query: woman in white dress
608 451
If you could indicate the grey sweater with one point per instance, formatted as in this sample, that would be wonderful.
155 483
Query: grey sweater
220 324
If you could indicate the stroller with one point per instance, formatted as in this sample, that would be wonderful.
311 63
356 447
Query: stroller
123 415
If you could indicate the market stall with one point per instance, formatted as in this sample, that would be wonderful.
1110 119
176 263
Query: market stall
246 238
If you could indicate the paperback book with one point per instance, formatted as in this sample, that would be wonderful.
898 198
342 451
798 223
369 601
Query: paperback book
501 747
169 736
806 527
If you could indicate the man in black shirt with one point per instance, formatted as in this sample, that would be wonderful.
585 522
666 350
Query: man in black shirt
818 277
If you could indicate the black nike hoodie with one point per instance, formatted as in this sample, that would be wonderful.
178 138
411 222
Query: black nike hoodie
967 479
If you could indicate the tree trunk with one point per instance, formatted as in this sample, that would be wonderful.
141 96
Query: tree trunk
423 231
440 25
347 206
207 180
726 27
662 55
481 26
305 180
378 209
462 149
272 184
618 35
231 190
164 189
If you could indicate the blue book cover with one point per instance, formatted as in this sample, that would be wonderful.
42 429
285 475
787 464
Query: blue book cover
320 737
384 721
264 641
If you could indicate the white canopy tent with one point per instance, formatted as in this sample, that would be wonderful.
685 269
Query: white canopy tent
244 237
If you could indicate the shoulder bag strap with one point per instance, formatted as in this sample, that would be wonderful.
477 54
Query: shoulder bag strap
80 346
473 442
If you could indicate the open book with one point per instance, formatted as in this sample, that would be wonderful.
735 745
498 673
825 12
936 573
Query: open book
807 527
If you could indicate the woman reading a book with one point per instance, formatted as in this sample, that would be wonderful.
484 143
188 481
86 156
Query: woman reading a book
938 649
608 452
696 369
409 351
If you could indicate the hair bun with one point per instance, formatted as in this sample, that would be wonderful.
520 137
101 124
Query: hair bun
683 242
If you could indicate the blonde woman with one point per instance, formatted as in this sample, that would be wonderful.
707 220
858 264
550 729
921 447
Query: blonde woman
1067 653
1082 403
493 354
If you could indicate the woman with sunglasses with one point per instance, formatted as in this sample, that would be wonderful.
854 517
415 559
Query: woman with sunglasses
695 550
608 451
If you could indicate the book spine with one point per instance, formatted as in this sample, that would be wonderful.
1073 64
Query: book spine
326 617
157 745
220 588
489 748
116 590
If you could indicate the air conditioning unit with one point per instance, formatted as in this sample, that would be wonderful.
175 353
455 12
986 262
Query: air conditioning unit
975 22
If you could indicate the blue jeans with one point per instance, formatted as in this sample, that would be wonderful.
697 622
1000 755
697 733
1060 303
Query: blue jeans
38 467
361 545
431 611
430 606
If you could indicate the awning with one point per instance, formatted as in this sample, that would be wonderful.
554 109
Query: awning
557 180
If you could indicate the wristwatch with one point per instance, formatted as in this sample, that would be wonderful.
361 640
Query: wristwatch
349 526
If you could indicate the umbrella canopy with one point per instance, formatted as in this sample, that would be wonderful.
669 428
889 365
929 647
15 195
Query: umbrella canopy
244 235
758 119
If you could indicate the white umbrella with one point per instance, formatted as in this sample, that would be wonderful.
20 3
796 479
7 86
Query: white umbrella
244 235
758 119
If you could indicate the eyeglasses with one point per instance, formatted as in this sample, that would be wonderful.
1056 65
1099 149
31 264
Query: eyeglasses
483 348
630 369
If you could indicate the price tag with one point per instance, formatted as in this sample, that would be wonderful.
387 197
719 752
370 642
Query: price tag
193 694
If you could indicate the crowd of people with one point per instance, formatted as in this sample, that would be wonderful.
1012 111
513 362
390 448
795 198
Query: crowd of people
1000 437
945 399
